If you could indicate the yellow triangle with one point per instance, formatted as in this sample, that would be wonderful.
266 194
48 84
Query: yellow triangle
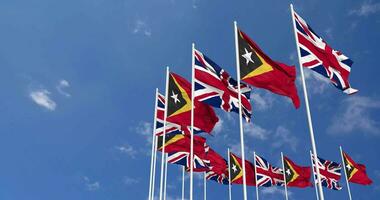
241 171
264 68
186 97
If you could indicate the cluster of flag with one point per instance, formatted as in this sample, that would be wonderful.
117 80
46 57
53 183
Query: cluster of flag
188 109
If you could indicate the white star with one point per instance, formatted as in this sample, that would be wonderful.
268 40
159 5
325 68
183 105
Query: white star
348 167
234 168
175 97
247 56
288 172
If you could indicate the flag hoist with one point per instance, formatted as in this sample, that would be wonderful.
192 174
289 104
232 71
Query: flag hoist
192 120
284 171
310 123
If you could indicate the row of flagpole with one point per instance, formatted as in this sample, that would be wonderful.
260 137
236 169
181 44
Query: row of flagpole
162 191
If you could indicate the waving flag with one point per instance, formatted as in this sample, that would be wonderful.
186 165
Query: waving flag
296 176
179 106
170 127
257 69
329 172
215 87
266 174
317 55
356 173
218 170
236 169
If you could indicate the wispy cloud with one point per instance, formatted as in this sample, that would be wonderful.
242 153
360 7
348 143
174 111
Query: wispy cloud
130 180
141 27
91 186
262 100
63 84
127 149
256 131
316 83
218 127
355 114
283 137
145 129
274 191
41 97
366 8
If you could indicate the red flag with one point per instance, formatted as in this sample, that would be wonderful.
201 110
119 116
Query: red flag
356 173
236 169
179 106
296 176
257 69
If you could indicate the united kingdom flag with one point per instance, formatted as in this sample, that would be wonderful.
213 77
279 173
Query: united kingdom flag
171 128
266 174
317 55
220 178
183 158
330 173
214 86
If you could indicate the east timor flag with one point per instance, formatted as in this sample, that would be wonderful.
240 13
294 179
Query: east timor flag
257 69
296 176
236 170
179 106
356 173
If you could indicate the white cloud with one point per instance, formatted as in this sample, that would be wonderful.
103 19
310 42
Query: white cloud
255 131
140 27
328 33
261 100
41 97
315 82
145 129
61 86
283 137
218 127
130 181
273 191
366 8
127 149
91 186
355 114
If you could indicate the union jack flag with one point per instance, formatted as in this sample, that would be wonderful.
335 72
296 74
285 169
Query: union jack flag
171 128
215 87
220 178
266 174
330 173
317 55
200 163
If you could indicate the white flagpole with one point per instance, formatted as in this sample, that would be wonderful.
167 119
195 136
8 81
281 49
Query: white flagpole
164 134
240 112
229 175
257 186
166 175
192 122
183 183
154 167
204 186
152 159
344 167
315 182
283 167
314 148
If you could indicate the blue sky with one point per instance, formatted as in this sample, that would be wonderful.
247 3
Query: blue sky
78 80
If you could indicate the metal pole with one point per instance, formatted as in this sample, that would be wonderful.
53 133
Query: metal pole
192 121
310 123
154 167
283 167
344 167
183 183
166 175
153 150
257 185
240 112
204 186
164 134
229 175
315 182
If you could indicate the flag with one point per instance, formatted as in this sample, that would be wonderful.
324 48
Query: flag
266 174
257 69
181 142
171 128
236 170
179 106
218 170
317 55
200 162
296 176
329 172
356 173
215 87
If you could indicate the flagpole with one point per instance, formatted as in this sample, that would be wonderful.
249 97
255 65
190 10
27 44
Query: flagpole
314 148
164 134
192 122
152 160
183 183
315 184
257 185
204 186
154 167
344 167
166 175
283 167
240 112
229 175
